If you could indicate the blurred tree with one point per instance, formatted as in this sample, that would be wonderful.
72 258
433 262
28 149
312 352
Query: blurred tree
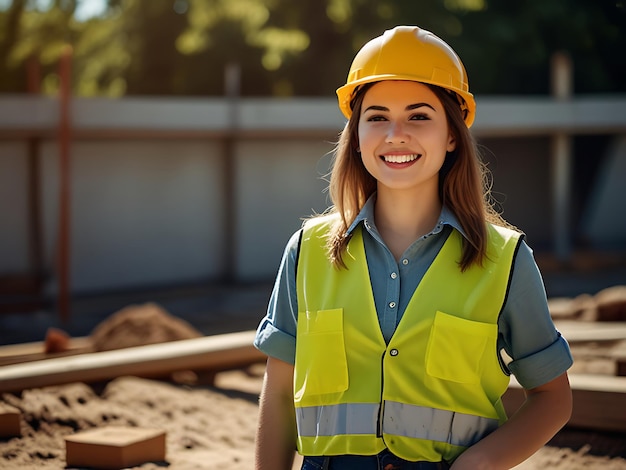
182 47
31 49
33 40
509 44
11 79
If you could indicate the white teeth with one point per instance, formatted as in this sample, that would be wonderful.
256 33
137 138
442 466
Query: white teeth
400 158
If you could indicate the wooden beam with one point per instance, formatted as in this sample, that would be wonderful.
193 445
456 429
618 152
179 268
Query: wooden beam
218 352
599 401
28 116
35 351
581 331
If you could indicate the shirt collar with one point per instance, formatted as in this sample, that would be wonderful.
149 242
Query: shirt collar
366 216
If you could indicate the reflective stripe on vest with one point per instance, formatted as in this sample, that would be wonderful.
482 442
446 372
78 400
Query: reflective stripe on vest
399 419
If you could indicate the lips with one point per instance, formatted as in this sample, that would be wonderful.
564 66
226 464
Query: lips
405 158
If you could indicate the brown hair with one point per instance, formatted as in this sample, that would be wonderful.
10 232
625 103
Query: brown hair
463 183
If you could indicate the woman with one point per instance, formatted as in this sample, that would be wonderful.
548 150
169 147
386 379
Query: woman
398 316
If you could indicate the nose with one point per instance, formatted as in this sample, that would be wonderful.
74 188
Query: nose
396 133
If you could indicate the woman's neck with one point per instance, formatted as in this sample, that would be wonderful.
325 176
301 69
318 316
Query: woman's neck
401 218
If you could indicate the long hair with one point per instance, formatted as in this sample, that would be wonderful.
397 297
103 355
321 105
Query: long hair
463 183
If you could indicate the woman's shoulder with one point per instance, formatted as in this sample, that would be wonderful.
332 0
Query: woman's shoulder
320 222
505 232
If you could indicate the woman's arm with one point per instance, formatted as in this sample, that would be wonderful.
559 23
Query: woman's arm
546 410
276 432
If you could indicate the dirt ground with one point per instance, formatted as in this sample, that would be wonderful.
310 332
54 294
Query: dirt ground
212 427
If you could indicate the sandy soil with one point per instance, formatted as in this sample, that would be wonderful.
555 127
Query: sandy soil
212 427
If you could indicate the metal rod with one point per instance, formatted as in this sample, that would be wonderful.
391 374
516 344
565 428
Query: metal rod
562 165
63 253
232 86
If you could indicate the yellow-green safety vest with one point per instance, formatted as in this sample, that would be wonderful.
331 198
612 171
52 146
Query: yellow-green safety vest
430 393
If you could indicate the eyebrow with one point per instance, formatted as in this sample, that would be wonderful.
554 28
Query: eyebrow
408 108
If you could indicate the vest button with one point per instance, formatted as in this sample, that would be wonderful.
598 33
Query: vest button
393 352
392 305
394 275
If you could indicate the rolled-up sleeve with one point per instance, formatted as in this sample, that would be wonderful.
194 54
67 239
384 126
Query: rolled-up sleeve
527 333
543 366
276 333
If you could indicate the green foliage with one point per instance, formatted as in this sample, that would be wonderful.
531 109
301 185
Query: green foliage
512 43
182 47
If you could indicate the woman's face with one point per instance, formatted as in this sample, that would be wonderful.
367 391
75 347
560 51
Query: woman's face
403 135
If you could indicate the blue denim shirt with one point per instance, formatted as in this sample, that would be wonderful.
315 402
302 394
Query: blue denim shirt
536 351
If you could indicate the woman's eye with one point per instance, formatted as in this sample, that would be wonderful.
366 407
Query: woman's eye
375 118
419 117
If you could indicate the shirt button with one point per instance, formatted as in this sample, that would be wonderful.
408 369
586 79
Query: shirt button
392 304
393 352
394 275
405 261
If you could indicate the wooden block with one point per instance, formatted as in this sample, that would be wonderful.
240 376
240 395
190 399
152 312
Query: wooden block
9 421
114 447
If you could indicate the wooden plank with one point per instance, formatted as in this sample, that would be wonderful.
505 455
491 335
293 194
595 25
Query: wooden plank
35 351
582 331
599 401
218 352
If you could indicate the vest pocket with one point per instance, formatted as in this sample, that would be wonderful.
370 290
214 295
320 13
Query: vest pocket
321 354
456 348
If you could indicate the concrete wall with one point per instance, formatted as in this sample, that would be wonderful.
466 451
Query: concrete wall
154 184
520 168
149 213
14 252
278 183
604 220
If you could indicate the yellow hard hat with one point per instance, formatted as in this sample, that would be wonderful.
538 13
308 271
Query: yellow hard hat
408 53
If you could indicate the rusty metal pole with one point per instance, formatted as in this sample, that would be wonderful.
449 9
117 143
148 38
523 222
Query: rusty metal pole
64 138
232 89
562 162
33 74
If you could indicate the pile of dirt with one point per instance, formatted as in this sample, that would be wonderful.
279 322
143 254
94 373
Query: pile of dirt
138 325
205 427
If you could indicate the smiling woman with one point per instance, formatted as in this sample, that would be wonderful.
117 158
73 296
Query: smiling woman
407 373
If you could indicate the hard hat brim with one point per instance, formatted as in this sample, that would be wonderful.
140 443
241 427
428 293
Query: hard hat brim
345 93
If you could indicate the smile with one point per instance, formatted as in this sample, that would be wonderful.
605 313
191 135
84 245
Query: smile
401 158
